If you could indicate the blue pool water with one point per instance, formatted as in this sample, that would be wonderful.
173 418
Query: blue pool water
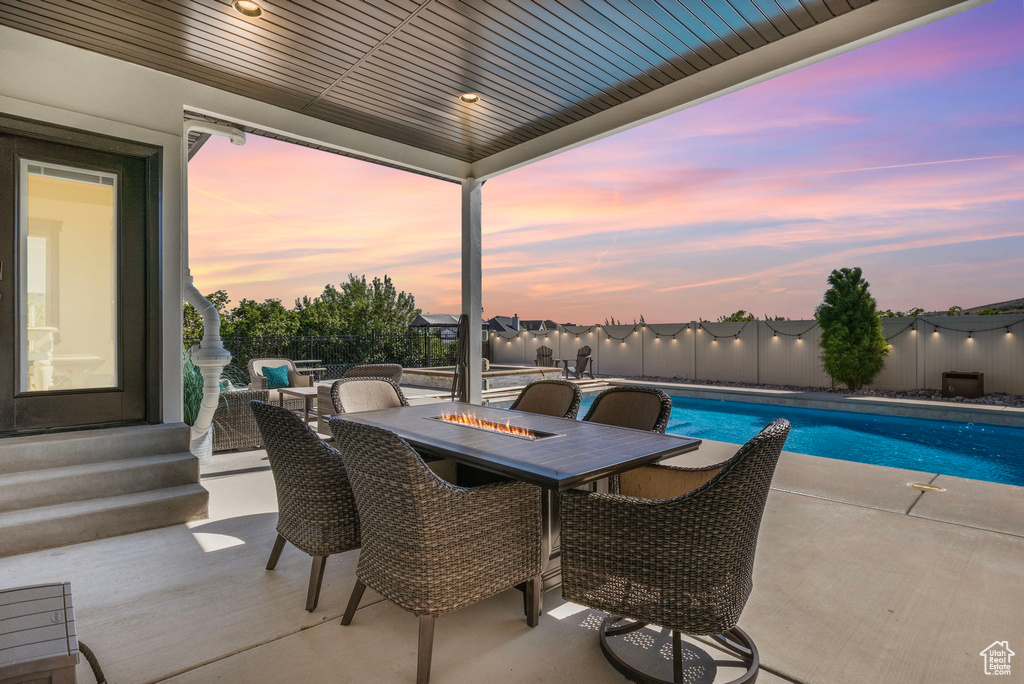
981 452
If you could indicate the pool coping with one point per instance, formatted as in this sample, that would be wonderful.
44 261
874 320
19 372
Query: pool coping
911 408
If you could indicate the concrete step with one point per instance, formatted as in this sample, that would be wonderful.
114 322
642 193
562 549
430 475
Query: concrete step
80 447
70 523
52 486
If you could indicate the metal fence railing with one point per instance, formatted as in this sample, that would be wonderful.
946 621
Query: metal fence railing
336 353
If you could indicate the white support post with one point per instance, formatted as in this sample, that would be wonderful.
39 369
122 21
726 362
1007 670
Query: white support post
472 302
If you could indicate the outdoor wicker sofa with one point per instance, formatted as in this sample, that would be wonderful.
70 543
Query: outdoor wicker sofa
234 426
675 549
316 510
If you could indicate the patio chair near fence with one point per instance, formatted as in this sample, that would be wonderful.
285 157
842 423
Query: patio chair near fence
559 398
351 395
545 358
257 381
582 366
316 510
432 547
615 557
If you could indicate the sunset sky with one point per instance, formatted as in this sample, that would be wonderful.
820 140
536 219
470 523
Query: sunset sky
905 158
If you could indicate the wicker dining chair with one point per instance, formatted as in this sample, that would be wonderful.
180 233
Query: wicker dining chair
559 398
316 510
632 406
391 371
351 395
429 546
675 549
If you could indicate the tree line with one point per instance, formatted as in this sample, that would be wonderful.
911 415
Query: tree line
356 307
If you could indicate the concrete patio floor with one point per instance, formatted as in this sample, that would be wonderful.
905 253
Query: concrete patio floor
847 590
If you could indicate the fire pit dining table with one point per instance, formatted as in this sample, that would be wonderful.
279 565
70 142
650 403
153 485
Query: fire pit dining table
556 454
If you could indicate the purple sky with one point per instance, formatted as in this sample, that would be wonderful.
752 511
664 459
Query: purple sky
905 158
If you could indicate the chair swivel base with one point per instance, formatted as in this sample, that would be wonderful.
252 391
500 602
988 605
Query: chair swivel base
695 665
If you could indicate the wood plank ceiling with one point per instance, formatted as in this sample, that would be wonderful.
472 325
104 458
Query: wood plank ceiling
396 68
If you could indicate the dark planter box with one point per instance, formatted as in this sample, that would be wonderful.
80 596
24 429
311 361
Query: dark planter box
966 384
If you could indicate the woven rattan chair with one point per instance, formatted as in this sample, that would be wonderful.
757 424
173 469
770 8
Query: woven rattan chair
316 510
679 553
632 406
550 398
583 365
545 358
432 547
258 382
391 371
234 425
351 395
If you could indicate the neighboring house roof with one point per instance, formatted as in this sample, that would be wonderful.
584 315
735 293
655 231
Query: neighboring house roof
435 321
538 324
514 323
503 323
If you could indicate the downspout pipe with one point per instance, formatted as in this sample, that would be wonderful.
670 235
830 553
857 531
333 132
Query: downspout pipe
209 355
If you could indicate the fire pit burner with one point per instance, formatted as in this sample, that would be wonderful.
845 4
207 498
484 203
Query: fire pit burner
499 428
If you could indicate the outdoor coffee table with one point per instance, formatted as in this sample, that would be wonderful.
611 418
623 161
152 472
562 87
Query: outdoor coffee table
306 393
567 454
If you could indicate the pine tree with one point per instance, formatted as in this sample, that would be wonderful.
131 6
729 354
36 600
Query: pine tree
853 347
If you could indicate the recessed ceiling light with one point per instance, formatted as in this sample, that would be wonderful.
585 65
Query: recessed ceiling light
469 98
248 8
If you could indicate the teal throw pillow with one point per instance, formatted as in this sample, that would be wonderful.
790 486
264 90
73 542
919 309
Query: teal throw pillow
276 377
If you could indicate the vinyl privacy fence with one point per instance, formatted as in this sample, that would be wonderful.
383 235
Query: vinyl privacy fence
785 352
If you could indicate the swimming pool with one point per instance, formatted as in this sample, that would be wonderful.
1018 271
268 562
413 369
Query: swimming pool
977 451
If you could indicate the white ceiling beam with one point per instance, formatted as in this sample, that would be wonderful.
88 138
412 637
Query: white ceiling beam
846 32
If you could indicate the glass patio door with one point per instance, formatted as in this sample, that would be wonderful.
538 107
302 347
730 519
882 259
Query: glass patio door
72 276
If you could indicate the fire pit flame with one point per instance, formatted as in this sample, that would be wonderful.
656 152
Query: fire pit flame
506 428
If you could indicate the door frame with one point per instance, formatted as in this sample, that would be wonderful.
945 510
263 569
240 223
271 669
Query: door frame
152 157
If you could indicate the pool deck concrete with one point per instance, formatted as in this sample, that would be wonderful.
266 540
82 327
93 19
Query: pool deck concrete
912 408
857 579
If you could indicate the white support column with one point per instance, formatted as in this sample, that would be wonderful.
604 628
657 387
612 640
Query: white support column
472 302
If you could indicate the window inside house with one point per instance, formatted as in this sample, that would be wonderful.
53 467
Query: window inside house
68 278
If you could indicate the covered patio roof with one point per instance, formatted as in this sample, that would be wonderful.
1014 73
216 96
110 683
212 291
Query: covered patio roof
384 81
549 75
